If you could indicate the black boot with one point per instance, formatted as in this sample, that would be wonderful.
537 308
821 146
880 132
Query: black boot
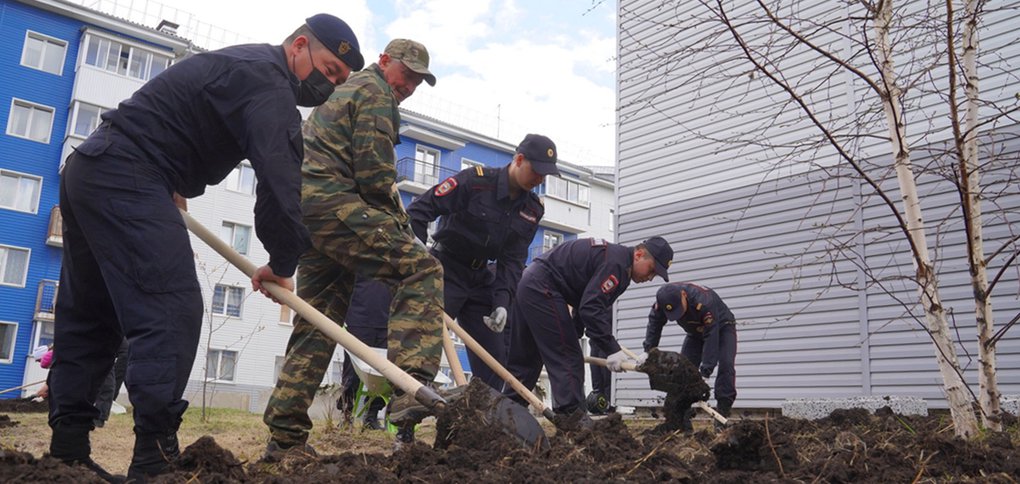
371 422
405 437
70 444
152 456
725 407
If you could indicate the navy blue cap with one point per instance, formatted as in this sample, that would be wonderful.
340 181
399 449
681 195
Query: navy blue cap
670 301
660 250
338 37
541 152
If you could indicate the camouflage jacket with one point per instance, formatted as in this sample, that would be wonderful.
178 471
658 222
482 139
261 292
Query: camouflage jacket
350 162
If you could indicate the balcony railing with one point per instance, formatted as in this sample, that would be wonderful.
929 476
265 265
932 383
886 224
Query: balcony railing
46 300
420 172
55 233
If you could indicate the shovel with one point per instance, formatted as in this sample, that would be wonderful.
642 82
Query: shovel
519 424
632 366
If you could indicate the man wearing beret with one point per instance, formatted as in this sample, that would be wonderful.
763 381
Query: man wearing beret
128 267
359 228
488 214
711 335
588 275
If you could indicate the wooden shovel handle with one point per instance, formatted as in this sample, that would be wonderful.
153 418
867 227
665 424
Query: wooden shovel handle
451 357
330 328
499 369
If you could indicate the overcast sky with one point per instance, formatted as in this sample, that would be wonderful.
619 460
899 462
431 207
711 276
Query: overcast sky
544 66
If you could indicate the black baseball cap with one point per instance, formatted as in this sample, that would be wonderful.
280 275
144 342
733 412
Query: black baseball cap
669 299
338 37
660 250
541 152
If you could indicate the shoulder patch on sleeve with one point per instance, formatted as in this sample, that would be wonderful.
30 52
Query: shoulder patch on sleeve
479 170
609 285
599 243
446 187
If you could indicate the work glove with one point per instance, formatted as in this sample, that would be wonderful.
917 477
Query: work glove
497 320
706 371
615 361
642 358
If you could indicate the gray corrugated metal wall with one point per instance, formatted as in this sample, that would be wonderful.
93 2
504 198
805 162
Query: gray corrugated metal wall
804 332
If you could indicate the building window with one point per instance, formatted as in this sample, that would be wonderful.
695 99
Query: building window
44 334
227 300
31 121
241 179
86 119
8 334
44 53
466 163
19 191
221 365
567 189
550 240
237 235
123 59
13 266
426 166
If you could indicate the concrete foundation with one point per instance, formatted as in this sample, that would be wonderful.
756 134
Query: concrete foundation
816 408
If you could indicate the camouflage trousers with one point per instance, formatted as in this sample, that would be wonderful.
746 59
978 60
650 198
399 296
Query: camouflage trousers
325 279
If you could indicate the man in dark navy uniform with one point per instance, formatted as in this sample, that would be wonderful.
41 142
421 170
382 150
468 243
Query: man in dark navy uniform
487 214
589 275
128 268
711 334
367 318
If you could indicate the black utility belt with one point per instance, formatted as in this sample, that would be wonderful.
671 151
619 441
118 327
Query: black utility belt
474 264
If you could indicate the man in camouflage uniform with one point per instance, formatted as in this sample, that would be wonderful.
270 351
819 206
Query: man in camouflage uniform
358 226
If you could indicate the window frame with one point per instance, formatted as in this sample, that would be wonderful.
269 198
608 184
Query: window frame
47 41
219 364
226 299
427 178
33 107
233 182
76 113
38 193
154 54
3 264
233 235
466 163
553 182
14 341
551 235
37 337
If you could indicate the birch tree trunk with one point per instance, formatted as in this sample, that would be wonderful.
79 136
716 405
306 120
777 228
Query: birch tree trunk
964 419
970 189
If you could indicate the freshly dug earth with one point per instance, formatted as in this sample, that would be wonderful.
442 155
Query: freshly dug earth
23 405
674 374
848 446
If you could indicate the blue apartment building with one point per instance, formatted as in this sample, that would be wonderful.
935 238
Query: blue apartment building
60 67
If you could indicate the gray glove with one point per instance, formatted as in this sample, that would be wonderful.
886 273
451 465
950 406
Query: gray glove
642 358
615 361
497 320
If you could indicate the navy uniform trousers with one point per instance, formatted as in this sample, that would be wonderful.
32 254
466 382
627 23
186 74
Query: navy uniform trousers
543 332
468 298
726 375
128 271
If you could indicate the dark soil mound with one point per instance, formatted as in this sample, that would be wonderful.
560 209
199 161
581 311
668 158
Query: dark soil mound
21 467
5 421
23 405
671 372
205 461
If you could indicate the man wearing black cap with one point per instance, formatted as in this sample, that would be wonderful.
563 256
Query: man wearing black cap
588 275
488 214
128 267
711 334
359 228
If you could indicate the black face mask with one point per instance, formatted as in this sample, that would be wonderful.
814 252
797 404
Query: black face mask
315 89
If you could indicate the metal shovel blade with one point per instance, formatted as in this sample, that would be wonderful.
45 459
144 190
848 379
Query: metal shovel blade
469 420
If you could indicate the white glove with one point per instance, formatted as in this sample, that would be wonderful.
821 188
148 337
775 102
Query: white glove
497 320
615 361
642 358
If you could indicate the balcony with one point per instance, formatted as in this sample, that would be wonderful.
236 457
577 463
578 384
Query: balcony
55 233
416 176
46 300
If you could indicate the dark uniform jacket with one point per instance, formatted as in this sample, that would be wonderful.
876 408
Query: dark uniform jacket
195 121
706 313
480 222
590 274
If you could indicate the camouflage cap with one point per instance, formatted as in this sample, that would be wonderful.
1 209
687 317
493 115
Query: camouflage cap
413 55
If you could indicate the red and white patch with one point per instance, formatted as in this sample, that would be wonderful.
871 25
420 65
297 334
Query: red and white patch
529 216
609 285
446 187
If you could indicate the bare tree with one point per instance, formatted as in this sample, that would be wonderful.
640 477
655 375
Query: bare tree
862 75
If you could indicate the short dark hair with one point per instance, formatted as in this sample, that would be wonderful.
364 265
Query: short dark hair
304 29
